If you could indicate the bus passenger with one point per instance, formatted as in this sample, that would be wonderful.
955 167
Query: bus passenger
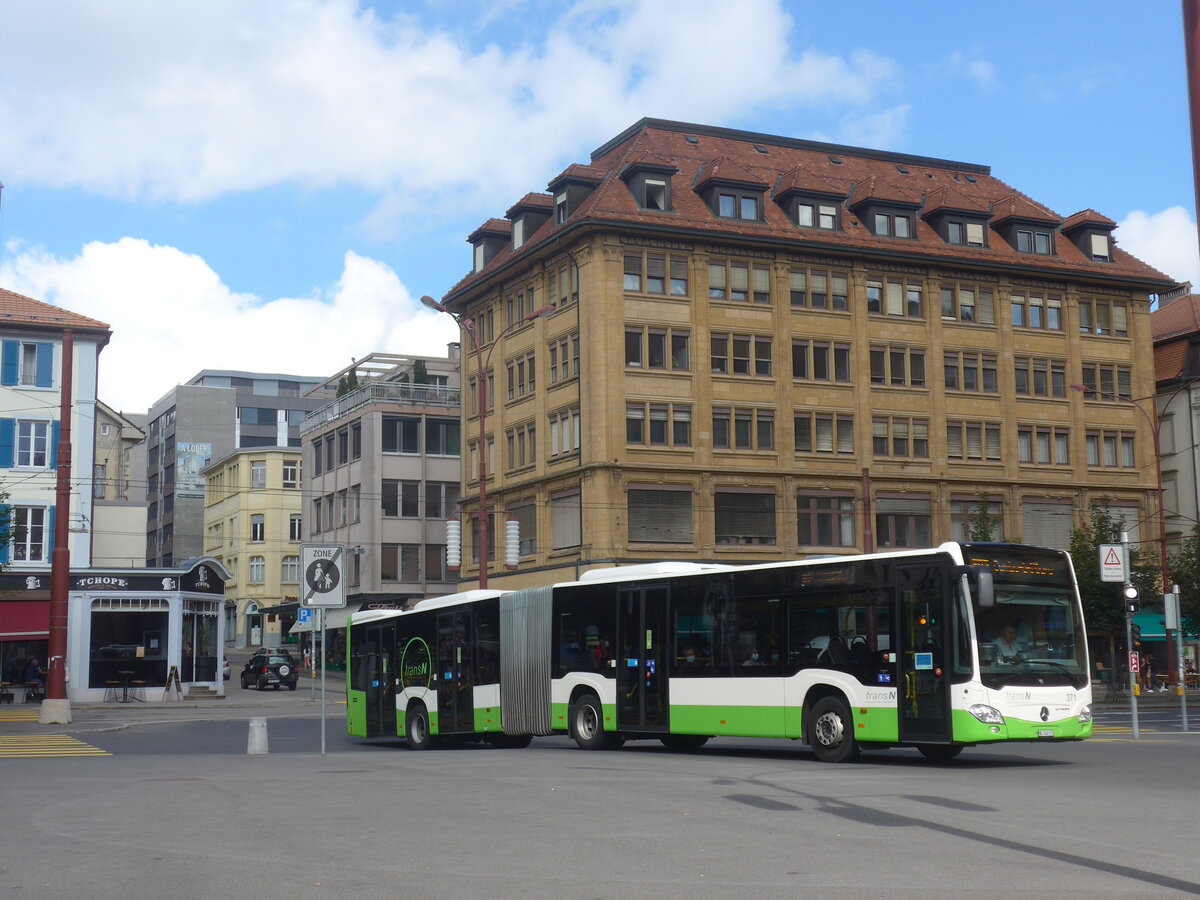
753 658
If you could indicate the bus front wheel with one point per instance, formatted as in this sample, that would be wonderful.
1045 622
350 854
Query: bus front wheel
587 724
939 752
831 731
416 728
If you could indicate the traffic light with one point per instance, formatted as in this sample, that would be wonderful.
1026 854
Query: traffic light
1136 633
1132 605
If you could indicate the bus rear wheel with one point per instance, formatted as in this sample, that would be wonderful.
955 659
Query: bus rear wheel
586 719
939 752
416 727
684 741
831 731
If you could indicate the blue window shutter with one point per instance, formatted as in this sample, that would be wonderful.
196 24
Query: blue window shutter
50 534
10 357
8 438
5 523
55 430
45 364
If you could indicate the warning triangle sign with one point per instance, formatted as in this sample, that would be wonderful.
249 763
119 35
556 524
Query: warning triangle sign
1112 558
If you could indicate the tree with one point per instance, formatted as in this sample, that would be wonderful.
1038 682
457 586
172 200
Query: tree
981 524
1184 567
348 384
420 373
1103 604
6 523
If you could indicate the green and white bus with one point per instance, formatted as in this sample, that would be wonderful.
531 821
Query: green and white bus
936 649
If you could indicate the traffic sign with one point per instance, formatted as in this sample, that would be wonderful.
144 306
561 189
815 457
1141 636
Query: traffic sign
324 579
1112 562
1133 661
303 616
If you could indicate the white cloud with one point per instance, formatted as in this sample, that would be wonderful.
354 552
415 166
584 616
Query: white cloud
189 101
982 72
171 316
1165 240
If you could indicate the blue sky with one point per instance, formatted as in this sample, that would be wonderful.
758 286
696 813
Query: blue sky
271 186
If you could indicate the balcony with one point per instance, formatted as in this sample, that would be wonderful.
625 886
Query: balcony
382 392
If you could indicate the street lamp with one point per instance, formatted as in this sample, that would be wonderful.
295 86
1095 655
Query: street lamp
468 325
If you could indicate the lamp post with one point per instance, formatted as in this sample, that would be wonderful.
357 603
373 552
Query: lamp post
469 326
1154 424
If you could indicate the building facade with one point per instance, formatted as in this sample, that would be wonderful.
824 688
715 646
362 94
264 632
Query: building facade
208 418
764 348
119 489
382 470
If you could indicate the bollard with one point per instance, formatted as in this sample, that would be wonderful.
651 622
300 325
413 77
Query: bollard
256 741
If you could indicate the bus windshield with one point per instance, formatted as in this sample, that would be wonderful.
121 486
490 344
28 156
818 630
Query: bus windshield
1034 634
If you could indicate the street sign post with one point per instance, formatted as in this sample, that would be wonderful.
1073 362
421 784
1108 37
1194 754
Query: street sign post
322 567
1112 562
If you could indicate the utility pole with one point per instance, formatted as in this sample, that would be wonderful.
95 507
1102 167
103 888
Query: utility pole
56 708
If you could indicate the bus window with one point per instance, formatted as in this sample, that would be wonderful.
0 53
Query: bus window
849 632
487 643
584 625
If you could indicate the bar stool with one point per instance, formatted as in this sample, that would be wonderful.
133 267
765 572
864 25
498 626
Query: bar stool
112 691
137 690
6 694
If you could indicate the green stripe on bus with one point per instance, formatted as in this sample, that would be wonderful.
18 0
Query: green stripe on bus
970 730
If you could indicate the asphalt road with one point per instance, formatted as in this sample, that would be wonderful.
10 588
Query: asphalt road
179 810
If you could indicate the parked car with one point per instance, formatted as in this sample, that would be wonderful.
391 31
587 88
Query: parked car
275 668
225 669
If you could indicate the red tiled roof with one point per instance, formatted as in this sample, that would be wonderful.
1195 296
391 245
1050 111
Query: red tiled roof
648 159
799 178
492 226
1179 317
947 197
612 202
18 309
1087 216
1169 359
536 201
873 187
576 172
725 169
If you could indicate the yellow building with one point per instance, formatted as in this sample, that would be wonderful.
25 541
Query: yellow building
764 348
252 525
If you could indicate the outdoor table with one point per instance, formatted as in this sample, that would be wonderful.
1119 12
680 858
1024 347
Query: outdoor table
125 676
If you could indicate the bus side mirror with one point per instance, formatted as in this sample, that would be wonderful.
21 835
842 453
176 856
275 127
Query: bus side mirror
980 580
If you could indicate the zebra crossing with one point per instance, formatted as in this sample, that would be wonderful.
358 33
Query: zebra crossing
34 746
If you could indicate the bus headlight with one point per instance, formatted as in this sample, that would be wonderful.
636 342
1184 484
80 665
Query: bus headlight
989 715
1085 714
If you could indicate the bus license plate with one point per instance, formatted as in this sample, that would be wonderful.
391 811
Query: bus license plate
1045 732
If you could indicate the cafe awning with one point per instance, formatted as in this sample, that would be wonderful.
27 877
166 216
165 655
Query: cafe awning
24 620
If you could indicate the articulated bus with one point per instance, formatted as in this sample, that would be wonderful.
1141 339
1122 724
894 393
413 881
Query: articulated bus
936 649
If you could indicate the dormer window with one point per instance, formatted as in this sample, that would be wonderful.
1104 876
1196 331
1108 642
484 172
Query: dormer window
816 215
650 183
655 194
893 224
518 233
1034 241
969 234
560 207
737 206
1101 251
480 257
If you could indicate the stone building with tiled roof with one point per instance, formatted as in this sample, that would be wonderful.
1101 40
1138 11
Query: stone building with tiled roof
762 348
1176 327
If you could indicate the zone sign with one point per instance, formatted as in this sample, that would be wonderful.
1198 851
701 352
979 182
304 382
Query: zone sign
322 568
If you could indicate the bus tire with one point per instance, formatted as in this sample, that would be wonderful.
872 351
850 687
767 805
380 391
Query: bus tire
831 731
416 727
586 719
940 752
510 741
684 741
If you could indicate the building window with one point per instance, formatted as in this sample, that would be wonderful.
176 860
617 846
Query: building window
903 522
739 282
258 569
1107 382
401 434
401 498
965 370
522 448
812 214
1034 241
970 519
316 516
824 432
1035 377
968 303
658 424
1110 449
564 432
824 520
525 515
289 570
900 436
565 524
1099 244
1042 445
355 502
969 234
973 441
33 443
743 429
27 363
898 366
741 354
1036 311
661 516
1103 317
657 348
356 441
744 518
656 273
29 533
895 297
258 474
563 286
329 458
521 376
295 527
291 473
400 562
435 563
564 360
442 437
441 499
820 361
258 528
819 289
737 205
893 224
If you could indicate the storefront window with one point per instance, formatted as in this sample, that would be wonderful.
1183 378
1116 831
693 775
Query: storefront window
129 642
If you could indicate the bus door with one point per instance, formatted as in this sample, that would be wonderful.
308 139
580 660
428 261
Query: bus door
924 689
456 702
372 673
642 660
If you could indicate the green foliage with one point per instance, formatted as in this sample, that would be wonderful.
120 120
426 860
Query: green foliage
348 384
6 523
1184 567
1103 605
981 524
420 373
